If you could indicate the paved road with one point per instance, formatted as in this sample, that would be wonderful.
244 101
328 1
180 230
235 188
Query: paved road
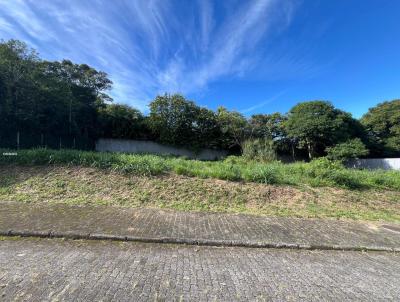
54 270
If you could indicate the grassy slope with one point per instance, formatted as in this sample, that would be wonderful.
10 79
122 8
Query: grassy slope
83 185
317 174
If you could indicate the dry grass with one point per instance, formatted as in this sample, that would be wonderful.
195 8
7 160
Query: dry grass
78 185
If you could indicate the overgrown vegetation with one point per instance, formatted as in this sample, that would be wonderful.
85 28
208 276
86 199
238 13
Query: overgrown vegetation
263 150
351 149
77 185
320 172
383 124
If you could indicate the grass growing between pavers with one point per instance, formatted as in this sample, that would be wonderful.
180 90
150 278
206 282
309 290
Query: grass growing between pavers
319 173
82 185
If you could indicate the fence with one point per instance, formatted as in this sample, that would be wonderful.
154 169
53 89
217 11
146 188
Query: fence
25 140
375 163
135 146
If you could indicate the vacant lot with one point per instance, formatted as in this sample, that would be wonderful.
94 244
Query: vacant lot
84 185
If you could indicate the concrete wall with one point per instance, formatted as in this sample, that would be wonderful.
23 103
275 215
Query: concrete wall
375 163
134 146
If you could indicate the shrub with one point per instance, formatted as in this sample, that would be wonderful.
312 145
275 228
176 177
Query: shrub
321 166
342 178
350 149
260 149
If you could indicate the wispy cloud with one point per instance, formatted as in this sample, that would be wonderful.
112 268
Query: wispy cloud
262 104
148 47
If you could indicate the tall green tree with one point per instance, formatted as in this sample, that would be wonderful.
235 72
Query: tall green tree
47 99
17 103
317 125
122 121
178 121
81 90
268 125
206 129
272 127
234 127
383 125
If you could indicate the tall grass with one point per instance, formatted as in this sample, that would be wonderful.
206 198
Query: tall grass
320 172
260 149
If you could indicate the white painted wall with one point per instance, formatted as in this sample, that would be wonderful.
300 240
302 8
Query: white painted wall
135 146
375 163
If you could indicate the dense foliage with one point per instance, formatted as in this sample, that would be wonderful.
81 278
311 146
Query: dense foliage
351 149
177 121
66 105
383 124
121 121
316 125
44 101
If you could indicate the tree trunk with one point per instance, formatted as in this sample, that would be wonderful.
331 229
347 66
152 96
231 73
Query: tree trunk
293 153
310 150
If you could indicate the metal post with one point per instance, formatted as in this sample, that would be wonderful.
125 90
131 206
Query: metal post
70 115
18 140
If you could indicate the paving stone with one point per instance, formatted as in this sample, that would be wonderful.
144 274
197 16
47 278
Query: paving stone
193 227
71 270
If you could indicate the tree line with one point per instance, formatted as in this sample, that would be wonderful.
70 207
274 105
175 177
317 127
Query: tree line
60 103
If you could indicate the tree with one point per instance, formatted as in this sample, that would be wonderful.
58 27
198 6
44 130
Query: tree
206 129
121 121
271 127
267 125
17 66
383 125
42 99
234 127
353 148
177 121
316 125
80 75
171 119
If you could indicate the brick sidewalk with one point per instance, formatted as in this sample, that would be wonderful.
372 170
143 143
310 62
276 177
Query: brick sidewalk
155 225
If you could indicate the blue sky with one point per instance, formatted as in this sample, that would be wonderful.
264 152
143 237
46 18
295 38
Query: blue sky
256 56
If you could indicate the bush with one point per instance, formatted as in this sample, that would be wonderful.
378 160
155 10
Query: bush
260 149
320 166
350 149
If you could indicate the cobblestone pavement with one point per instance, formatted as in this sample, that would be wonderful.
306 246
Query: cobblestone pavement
155 223
58 270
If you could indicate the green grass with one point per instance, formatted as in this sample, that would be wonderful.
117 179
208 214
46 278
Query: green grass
319 173
80 185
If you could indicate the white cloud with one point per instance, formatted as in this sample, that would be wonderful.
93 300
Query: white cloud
147 47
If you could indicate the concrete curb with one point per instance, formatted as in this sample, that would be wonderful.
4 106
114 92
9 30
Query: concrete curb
199 242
